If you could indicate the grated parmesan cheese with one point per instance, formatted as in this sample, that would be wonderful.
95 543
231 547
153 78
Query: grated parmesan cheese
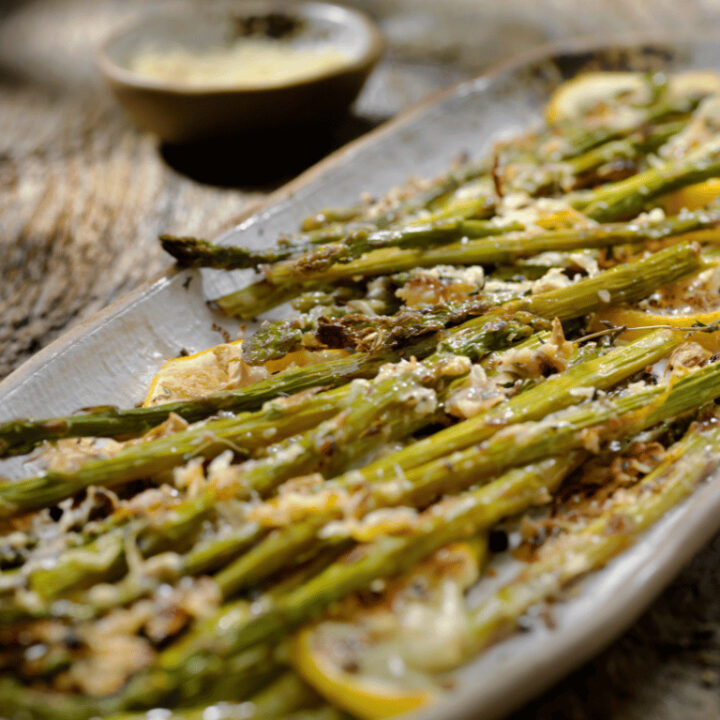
250 62
441 284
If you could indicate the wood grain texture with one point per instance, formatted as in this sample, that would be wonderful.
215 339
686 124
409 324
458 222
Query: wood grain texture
83 196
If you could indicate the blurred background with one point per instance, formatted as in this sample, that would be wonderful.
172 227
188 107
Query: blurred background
83 196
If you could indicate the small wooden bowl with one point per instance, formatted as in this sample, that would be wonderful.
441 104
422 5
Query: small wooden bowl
179 112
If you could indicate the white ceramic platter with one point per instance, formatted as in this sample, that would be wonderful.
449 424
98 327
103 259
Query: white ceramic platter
111 358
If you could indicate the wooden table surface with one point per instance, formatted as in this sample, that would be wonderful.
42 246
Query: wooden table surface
83 196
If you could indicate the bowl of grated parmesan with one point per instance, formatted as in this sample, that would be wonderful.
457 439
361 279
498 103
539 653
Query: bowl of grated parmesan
195 73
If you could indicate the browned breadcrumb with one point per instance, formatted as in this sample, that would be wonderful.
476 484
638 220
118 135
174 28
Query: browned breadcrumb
589 493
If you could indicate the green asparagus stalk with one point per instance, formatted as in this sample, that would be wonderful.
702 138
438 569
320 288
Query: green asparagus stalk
101 559
347 329
20 436
239 711
687 462
628 197
200 253
157 456
468 207
19 702
259 297
280 698
480 252
240 676
455 221
386 410
624 154
332 216
578 139
364 420
556 393
611 287
437 200
104 560
441 189
187 249
387 556
557 436
625 283
632 147
195 252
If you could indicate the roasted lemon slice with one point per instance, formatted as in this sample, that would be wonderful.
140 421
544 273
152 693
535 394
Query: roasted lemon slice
623 317
362 695
221 368
685 304
591 94
596 95
693 197
692 85
382 659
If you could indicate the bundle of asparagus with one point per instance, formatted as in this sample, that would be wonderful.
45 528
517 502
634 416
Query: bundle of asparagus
204 552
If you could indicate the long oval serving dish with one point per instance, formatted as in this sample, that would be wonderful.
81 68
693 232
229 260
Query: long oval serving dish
112 357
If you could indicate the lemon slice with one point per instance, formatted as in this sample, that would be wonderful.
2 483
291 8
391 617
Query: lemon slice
692 301
221 368
592 92
592 95
365 697
692 197
382 660
692 85
641 319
